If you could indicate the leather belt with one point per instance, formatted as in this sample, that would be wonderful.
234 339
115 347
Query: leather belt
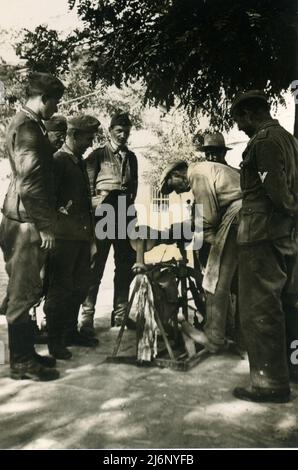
106 192
102 192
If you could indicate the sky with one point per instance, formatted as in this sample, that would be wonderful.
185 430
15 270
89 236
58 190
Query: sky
18 14
30 13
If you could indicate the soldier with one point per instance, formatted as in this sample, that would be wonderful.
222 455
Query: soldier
56 130
217 188
29 218
69 265
215 148
268 249
113 173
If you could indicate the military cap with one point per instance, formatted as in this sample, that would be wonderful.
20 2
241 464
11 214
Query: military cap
120 119
83 123
44 84
163 184
56 123
248 95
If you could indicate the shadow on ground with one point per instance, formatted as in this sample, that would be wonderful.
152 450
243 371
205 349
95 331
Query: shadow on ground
96 404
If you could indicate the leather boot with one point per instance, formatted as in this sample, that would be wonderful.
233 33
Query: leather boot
24 361
75 338
262 395
87 324
58 349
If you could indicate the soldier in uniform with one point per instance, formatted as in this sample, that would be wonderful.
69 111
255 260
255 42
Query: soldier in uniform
28 223
113 174
56 130
69 266
268 248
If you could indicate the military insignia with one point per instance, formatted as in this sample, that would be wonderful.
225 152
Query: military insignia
262 175
64 210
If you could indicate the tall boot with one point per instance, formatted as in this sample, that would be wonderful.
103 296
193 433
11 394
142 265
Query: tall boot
87 324
24 361
56 337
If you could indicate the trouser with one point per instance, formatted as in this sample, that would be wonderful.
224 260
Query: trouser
68 281
24 259
124 257
268 302
218 304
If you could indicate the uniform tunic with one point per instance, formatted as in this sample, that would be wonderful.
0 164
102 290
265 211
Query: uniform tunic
69 264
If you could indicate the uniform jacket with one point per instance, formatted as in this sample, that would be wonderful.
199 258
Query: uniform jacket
31 194
269 181
73 197
111 170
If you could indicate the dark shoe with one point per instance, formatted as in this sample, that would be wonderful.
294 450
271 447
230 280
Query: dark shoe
88 331
77 339
45 361
32 370
59 351
294 376
262 395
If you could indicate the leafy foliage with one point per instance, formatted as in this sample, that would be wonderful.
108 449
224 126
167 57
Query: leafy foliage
174 142
12 79
201 51
45 51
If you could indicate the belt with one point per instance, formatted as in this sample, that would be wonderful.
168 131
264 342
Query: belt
106 192
102 192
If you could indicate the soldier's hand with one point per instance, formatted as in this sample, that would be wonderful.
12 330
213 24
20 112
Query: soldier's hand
47 240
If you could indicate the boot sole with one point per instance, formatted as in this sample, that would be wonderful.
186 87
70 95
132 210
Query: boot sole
35 378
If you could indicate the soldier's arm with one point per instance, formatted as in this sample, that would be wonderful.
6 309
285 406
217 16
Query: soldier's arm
93 168
271 167
32 186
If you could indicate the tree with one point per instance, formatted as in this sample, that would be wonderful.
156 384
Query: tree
45 51
200 51
11 82
196 54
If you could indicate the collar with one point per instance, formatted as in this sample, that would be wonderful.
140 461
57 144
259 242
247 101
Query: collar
115 148
266 124
67 150
32 115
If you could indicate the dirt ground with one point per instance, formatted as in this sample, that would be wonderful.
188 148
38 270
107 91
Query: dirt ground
100 405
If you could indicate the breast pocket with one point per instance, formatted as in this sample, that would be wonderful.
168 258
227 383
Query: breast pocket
109 171
253 226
